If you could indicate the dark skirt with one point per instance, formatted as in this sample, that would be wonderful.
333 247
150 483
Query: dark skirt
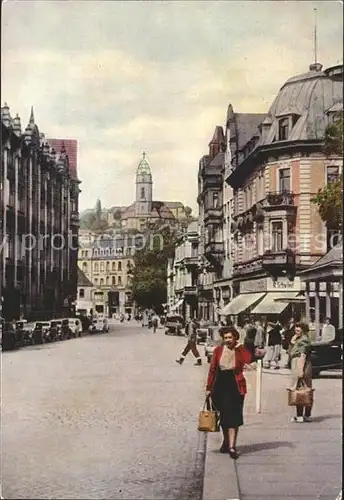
228 400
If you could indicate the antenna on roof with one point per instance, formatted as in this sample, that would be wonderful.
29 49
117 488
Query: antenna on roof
315 37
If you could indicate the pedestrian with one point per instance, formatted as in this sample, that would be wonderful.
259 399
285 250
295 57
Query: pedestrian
250 335
191 345
301 368
226 385
259 338
274 349
328 332
155 322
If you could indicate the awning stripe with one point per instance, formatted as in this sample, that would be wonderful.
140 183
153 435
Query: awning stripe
241 303
272 303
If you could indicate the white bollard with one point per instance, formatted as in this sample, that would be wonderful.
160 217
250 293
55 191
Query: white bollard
259 373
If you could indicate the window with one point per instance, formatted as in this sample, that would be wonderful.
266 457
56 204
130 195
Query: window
119 265
283 129
96 281
277 236
114 266
332 174
284 179
84 267
101 282
215 200
114 280
119 280
102 266
81 293
96 267
142 193
107 280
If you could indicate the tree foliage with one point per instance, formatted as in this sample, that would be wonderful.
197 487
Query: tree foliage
94 220
330 198
330 204
149 274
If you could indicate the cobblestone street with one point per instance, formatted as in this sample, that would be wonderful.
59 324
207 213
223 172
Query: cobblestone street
105 416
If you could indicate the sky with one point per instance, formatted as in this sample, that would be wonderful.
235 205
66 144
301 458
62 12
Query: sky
123 77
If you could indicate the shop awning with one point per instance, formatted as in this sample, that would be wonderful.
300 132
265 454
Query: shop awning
274 302
241 303
178 304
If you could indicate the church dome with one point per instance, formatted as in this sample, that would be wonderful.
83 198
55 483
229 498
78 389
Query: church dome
143 167
308 99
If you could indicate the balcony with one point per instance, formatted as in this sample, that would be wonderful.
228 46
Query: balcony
213 252
213 216
191 261
275 200
279 261
191 291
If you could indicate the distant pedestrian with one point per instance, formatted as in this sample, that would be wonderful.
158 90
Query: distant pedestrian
328 332
259 338
274 348
227 386
155 322
250 335
301 368
191 345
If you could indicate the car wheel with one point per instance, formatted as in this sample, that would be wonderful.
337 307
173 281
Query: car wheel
315 373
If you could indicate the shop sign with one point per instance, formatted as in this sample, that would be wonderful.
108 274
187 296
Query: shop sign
253 286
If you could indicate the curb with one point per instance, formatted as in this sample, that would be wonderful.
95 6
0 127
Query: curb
220 480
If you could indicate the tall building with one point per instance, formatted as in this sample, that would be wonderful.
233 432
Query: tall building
145 211
278 169
39 223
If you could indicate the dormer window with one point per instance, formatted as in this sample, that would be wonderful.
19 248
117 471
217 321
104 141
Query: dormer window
283 129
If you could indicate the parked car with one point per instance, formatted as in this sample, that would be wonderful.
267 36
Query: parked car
174 324
213 339
74 327
202 332
99 325
9 340
41 332
56 326
327 355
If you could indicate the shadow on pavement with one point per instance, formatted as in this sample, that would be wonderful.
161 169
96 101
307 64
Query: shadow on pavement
251 448
326 417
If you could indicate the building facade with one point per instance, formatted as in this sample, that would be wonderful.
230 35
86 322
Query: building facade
275 174
39 224
107 262
182 275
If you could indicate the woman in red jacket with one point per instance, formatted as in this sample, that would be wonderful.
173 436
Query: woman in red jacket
227 386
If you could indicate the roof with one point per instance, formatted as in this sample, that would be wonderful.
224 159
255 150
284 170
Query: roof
247 126
71 148
332 259
160 210
218 161
143 167
309 96
174 204
83 280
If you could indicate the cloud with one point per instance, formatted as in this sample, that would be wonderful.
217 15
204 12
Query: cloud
126 76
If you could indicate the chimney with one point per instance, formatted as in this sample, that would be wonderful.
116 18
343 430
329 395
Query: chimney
315 67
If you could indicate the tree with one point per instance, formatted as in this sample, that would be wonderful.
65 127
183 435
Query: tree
188 212
149 274
330 198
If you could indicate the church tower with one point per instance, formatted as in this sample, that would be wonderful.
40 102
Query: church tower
144 188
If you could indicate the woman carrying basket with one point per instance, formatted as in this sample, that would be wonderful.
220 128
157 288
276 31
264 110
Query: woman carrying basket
226 386
301 368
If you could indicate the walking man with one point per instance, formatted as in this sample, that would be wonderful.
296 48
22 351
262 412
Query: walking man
191 345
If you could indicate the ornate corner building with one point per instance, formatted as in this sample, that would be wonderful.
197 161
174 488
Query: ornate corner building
39 223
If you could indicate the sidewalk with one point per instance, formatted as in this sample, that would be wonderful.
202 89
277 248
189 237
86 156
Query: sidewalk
279 459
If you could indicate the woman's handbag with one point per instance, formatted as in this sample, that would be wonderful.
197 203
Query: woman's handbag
301 396
209 419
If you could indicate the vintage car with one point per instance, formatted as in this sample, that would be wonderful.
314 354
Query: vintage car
174 324
202 331
327 355
99 325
